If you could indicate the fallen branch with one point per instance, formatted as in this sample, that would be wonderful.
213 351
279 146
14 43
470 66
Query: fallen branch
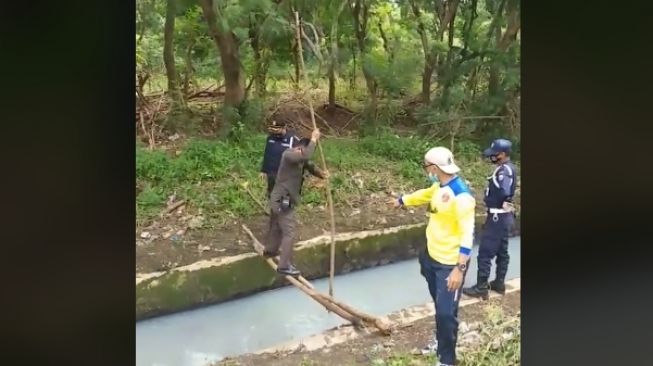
205 90
321 119
348 122
301 122
367 318
258 247
245 185
462 118
344 108
175 206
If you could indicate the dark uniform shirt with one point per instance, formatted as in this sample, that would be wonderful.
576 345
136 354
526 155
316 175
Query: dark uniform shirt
274 147
501 185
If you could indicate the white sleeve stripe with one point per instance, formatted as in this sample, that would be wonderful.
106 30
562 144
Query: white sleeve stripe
494 177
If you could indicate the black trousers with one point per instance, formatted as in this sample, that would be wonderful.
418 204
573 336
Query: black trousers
271 180
494 243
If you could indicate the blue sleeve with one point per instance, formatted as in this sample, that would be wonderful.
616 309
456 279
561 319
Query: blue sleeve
505 177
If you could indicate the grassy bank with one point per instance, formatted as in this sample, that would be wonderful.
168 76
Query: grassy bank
497 343
210 174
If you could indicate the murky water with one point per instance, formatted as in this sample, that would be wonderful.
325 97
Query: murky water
202 336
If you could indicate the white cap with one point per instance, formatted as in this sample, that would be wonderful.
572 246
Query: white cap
443 158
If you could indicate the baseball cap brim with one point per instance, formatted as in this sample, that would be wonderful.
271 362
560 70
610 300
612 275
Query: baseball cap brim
489 152
449 169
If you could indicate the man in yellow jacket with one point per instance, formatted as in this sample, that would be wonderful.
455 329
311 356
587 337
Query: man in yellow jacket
449 237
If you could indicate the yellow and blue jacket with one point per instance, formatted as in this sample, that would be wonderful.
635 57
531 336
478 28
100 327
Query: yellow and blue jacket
450 231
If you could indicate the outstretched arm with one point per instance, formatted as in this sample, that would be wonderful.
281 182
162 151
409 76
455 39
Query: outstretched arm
421 197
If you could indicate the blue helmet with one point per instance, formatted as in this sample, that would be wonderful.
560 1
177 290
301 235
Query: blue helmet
498 146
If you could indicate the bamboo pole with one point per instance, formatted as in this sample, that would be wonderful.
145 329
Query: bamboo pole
319 146
339 307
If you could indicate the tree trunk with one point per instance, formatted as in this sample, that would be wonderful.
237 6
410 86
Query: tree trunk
446 15
494 32
360 28
352 78
298 74
429 60
386 43
234 78
493 82
189 68
427 74
332 86
448 77
168 55
334 57
260 69
295 53
513 25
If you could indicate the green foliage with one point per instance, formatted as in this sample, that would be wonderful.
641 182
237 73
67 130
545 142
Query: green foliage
394 58
397 148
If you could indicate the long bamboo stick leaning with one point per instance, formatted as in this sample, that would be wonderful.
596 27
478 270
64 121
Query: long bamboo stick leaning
322 298
334 307
319 146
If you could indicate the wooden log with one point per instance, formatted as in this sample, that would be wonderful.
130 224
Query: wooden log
258 247
322 298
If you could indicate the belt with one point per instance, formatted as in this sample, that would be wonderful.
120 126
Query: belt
497 210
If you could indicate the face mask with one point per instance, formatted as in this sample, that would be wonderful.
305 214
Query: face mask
433 178
494 159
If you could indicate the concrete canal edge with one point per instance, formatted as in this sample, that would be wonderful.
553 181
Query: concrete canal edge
221 279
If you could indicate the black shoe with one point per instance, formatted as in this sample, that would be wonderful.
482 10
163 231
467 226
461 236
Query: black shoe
477 291
499 287
290 271
267 254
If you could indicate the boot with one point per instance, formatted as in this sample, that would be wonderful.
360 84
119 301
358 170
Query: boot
480 289
498 286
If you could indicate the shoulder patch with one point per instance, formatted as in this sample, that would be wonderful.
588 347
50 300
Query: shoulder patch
458 187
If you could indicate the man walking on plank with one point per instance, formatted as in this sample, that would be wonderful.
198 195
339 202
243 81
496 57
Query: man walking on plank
449 237
284 198
500 218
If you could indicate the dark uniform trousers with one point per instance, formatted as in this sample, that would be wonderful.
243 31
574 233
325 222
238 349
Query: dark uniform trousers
271 180
494 243
281 234
446 306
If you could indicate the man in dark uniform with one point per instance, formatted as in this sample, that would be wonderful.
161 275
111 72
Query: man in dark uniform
278 140
285 197
500 218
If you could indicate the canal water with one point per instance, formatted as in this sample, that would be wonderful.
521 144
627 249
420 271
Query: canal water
202 336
